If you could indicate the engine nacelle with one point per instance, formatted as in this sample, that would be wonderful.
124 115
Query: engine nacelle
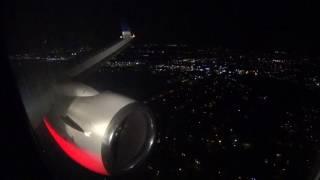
106 133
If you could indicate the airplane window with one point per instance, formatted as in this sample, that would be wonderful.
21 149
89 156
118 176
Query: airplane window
169 90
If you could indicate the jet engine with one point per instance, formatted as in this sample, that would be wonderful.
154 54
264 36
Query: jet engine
104 132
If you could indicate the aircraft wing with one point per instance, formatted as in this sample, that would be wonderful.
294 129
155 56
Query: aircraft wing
105 54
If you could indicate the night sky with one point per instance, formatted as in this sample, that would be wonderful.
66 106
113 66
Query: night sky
229 23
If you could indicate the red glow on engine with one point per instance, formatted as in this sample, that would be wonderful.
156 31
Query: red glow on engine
83 157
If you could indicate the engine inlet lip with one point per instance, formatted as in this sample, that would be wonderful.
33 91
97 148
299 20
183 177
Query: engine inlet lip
110 138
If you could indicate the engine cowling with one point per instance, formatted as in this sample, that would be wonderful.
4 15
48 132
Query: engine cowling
106 132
